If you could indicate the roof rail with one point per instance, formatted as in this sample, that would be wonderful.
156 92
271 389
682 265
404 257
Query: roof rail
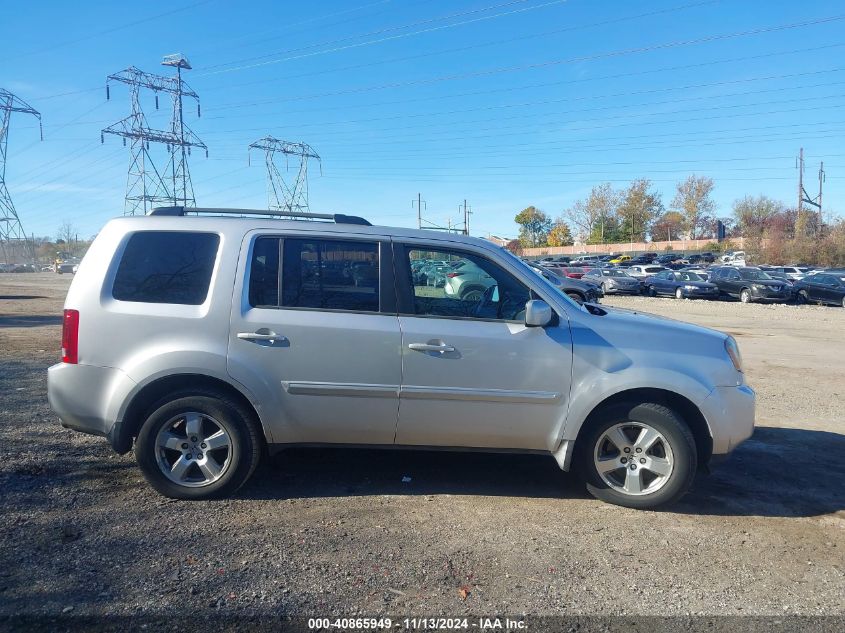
337 218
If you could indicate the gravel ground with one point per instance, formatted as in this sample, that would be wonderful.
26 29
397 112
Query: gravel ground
338 532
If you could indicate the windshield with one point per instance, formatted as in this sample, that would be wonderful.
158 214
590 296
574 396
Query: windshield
523 266
688 277
752 274
612 272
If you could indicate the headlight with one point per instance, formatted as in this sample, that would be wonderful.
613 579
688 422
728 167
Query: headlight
689 287
758 286
733 352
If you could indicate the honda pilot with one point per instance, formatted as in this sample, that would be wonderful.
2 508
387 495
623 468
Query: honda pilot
205 339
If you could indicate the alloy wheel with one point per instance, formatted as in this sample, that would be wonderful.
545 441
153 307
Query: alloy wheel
193 449
745 296
679 294
634 458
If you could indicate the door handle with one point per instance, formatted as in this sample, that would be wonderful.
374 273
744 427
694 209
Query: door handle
259 336
427 347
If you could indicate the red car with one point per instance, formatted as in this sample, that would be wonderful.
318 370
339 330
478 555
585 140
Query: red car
575 272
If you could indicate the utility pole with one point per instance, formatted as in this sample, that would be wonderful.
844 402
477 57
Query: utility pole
467 211
290 198
821 183
11 229
146 185
420 206
800 166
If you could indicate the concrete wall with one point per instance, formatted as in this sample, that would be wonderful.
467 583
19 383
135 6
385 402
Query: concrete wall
629 247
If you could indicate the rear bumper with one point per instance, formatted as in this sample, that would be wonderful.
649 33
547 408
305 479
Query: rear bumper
87 398
729 412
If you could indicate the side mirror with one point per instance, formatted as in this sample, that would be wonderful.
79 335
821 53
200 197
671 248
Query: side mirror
537 313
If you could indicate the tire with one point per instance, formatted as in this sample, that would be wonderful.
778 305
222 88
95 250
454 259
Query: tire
675 447
745 295
679 294
577 298
473 293
169 418
604 288
651 291
803 297
843 302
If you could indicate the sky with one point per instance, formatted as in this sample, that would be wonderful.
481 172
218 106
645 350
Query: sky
504 103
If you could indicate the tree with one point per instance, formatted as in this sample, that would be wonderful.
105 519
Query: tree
66 233
754 214
560 235
595 218
534 227
638 207
694 202
667 227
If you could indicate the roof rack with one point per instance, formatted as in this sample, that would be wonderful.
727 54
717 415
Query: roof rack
337 218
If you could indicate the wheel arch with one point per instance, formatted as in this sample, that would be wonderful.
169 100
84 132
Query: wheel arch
126 429
682 405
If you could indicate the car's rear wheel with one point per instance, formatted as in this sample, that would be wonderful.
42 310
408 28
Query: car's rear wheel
638 456
679 294
745 295
197 446
472 294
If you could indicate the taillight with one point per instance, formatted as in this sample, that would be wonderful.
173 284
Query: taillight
70 337
453 275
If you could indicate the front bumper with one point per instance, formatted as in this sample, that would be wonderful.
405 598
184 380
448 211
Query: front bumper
729 412
771 295
709 293
86 398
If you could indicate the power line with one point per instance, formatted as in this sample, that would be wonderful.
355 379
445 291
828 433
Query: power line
381 32
547 64
461 49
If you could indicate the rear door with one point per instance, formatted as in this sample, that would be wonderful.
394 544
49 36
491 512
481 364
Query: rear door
473 375
315 335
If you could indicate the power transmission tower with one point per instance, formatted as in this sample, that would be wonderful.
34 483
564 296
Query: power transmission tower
11 230
147 186
289 197
803 196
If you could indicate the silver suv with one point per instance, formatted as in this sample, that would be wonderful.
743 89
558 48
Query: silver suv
205 340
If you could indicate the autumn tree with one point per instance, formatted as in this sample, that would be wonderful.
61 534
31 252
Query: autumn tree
595 218
755 213
534 227
668 226
560 235
638 207
693 200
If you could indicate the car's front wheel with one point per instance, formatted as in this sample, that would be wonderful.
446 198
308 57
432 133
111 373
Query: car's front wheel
638 456
197 446
679 294
745 295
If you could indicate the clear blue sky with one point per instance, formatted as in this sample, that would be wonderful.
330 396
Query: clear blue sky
507 103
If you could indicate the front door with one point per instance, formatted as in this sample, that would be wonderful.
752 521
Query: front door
473 375
315 336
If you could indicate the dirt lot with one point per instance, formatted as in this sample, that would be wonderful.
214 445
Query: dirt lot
337 532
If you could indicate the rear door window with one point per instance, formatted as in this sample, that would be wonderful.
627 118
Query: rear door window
166 267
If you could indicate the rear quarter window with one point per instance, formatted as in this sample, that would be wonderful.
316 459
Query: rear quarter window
166 267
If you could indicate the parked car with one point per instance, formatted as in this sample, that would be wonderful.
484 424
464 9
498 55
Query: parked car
206 341
823 288
613 281
467 281
748 284
681 285
573 272
701 271
577 290
619 259
734 258
793 272
669 258
585 260
641 271
702 258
